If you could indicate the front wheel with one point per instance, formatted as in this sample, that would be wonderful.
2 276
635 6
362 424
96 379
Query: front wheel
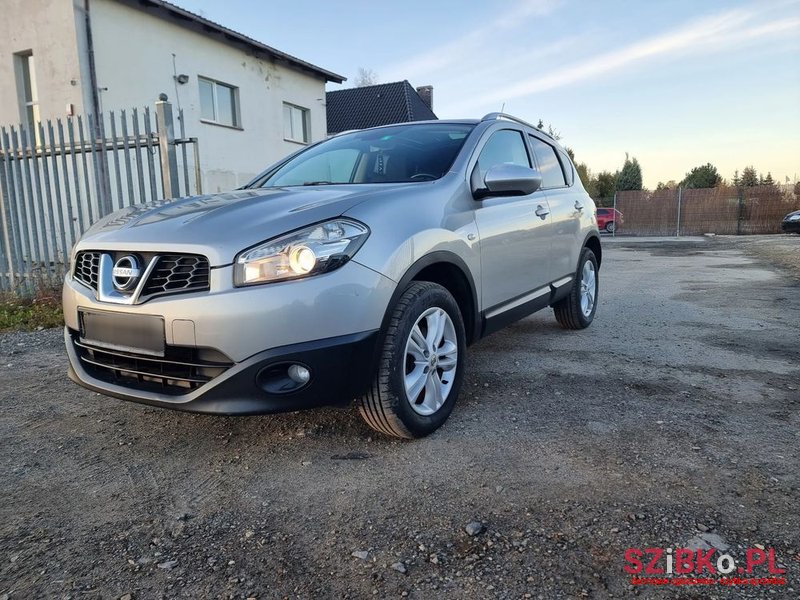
577 310
421 365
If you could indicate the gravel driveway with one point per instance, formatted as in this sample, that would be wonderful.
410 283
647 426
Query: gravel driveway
673 419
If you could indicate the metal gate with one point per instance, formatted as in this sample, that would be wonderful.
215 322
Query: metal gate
56 179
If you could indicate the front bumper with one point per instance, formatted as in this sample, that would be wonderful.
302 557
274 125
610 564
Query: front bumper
341 369
327 323
241 322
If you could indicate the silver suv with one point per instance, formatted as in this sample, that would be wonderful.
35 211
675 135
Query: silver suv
360 267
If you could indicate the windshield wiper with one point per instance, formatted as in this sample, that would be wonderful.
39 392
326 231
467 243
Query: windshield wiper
317 183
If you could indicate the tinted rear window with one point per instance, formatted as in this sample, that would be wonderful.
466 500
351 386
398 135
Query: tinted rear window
548 163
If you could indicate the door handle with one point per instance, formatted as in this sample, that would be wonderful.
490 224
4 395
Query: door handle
578 206
541 212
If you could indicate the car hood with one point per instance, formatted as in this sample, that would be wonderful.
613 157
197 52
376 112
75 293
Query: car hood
222 225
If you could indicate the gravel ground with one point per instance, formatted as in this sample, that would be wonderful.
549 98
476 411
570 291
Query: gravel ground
672 420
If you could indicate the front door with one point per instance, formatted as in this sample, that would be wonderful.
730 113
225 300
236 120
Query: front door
514 232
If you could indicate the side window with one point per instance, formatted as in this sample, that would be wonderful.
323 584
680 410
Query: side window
505 146
219 103
569 170
550 168
296 123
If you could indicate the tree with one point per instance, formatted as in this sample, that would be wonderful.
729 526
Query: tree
797 190
768 179
589 182
606 183
737 181
630 177
670 185
705 176
749 177
553 133
365 77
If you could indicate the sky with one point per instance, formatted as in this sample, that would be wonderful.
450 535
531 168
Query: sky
673 83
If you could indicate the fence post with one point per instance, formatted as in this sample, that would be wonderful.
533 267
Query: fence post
198 176
5 218
166 143
614 233
678 225
740 216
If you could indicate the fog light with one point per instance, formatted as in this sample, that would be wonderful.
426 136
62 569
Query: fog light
299 373
283 378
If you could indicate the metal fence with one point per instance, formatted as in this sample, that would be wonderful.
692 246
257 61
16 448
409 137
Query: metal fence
56 179
724 210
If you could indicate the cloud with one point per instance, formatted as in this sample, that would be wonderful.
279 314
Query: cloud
705 35
444 56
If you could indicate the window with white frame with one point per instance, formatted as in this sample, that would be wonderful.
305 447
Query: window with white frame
219 103
296 127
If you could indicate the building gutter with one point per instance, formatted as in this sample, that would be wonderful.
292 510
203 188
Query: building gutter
96 123
92 69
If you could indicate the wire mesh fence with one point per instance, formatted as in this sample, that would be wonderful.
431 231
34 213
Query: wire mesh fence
723 210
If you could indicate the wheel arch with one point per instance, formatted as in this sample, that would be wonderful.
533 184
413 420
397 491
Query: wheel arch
592 242
451 272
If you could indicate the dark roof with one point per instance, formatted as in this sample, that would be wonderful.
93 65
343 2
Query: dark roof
202 25
374 105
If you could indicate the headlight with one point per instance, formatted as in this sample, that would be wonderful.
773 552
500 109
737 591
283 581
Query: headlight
316 249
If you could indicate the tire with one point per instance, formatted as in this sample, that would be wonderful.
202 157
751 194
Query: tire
390 407
611 226
577 310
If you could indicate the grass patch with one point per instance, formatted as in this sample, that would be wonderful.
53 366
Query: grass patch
27 314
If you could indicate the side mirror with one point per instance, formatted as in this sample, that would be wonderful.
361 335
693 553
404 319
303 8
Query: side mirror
508 180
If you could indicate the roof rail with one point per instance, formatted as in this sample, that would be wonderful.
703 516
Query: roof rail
499 115
493 116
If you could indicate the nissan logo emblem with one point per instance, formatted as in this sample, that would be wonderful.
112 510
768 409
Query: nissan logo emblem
126 273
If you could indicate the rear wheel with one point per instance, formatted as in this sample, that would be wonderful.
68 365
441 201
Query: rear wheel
577 310
611 227
421 365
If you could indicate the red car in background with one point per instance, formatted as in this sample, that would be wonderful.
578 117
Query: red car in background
608 218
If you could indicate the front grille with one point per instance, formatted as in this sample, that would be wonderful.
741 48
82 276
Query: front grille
87 268
179 372
177 273
172 273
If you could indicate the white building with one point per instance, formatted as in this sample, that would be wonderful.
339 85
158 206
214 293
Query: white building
247 103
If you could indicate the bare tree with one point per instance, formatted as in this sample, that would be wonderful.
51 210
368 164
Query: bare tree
365 77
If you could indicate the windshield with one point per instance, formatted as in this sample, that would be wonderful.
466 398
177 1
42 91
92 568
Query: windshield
418 152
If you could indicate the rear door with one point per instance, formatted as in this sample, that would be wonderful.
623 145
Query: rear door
514 230
567 205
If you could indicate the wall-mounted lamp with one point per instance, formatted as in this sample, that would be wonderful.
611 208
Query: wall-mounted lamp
182 78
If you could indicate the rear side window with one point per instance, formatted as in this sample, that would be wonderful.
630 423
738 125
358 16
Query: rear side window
549 165
569 171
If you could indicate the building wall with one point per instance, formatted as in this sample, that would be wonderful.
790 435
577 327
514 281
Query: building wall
51 30
134 63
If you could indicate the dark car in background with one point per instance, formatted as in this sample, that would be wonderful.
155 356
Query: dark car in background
791 222
608 218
